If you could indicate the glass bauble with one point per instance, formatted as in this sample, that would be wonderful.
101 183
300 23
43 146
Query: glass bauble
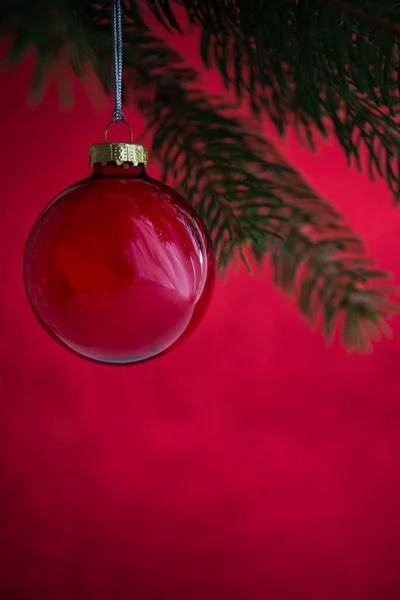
119 267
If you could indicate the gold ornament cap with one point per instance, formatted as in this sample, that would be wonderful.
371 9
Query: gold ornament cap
118 152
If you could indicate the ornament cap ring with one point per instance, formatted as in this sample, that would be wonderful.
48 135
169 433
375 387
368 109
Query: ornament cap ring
124 123
119 153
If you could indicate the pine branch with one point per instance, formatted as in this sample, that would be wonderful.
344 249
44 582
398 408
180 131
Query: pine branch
253 202
384 22
311 63
261 203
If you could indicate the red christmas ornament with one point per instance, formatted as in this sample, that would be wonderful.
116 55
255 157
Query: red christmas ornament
118 267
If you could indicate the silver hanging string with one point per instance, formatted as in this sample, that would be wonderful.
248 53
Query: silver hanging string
118 115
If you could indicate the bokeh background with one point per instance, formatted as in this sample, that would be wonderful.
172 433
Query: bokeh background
253 463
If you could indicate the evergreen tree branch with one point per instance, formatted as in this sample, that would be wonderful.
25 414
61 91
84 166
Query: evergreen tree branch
362 15
261 203
253 202
311 63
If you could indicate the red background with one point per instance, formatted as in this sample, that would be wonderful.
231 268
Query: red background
252 463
